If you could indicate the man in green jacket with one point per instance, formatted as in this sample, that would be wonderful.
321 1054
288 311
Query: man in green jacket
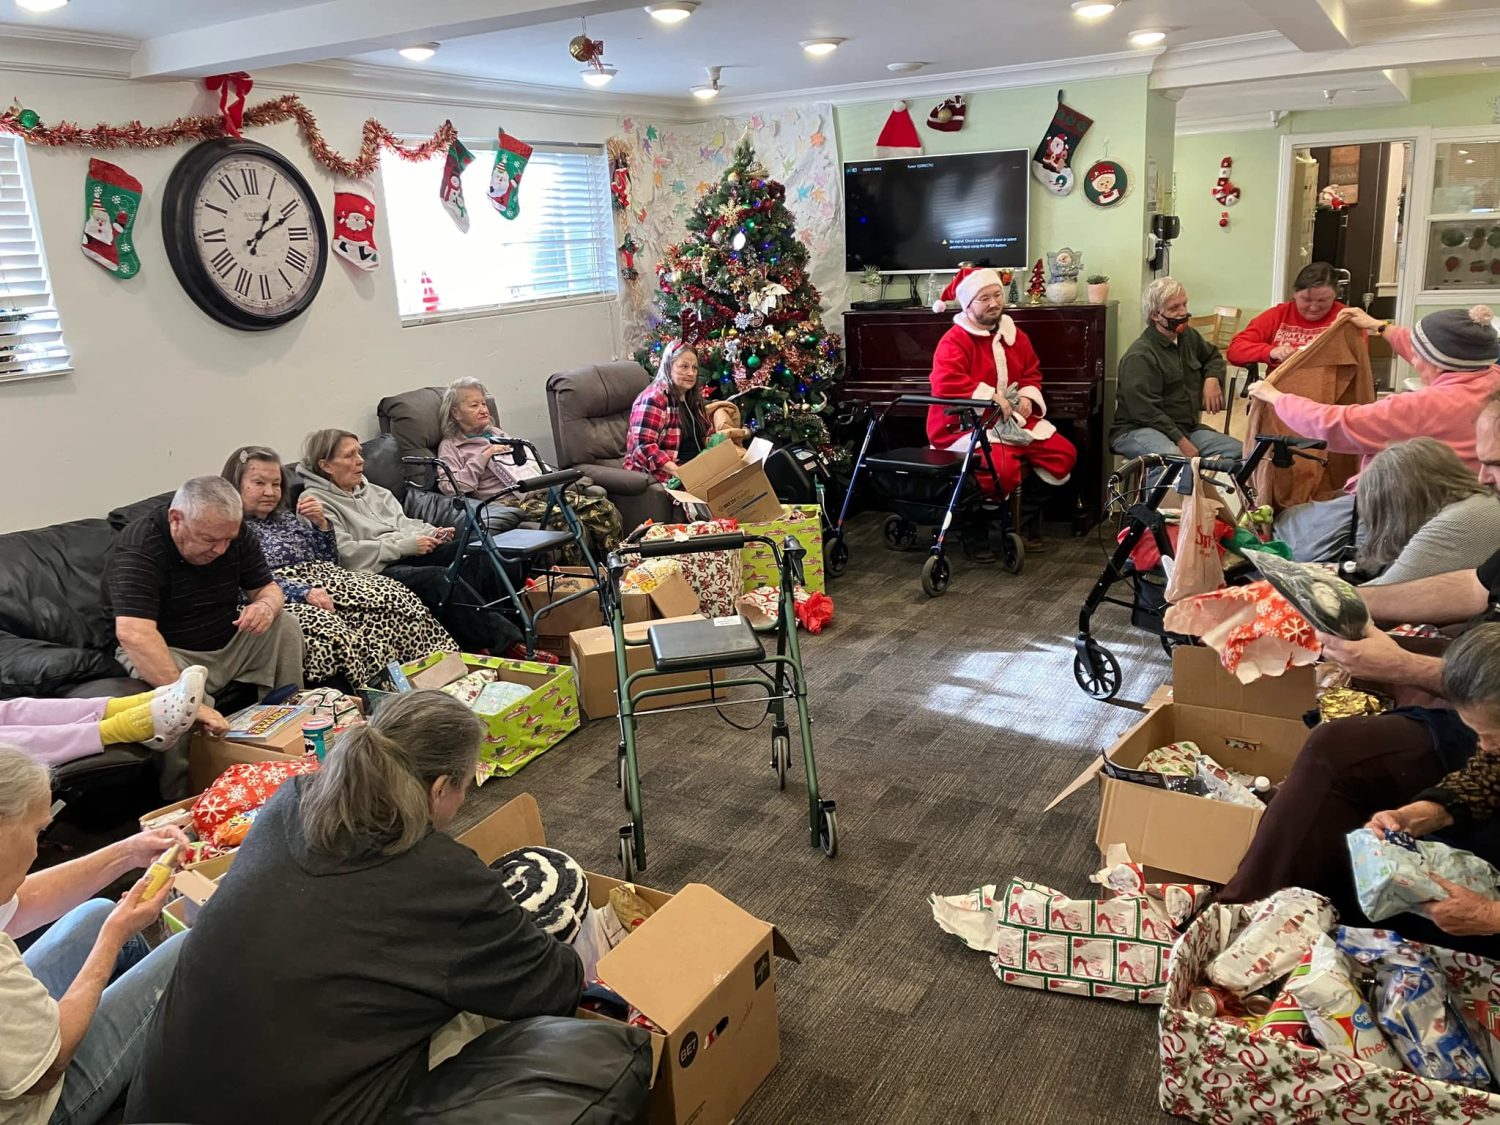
1167 379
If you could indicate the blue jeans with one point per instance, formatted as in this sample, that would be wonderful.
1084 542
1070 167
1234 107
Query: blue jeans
110 1053
1210 443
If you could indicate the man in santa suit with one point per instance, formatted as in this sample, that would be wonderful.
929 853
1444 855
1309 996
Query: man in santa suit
985 353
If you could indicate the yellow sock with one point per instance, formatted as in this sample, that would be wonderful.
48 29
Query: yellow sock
133 725
126 702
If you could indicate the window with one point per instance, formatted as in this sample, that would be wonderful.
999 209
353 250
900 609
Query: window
31 343
1463 237
561 246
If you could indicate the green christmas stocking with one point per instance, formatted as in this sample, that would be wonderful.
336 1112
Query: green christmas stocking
505 178
111 197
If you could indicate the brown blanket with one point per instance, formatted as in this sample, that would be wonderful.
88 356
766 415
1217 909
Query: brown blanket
1334 368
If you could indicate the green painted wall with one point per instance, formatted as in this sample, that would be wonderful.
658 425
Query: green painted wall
1226 265
1438 102
1111 240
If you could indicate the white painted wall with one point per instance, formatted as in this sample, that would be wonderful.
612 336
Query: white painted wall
160 392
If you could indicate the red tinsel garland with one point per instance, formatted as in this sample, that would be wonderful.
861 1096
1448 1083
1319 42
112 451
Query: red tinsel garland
209 125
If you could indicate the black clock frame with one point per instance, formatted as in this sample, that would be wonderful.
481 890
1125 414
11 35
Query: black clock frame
182 252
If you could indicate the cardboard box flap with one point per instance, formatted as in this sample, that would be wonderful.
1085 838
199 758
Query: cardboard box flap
1088 775
681 953
706 468
516 824
194 886
1199 678
674 596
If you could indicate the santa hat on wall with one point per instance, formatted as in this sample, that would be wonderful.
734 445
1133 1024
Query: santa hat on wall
899 137
965 286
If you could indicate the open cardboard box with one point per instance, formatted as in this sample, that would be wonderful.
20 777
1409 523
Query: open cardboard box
700 968
593 655
208 757
672 597
730 482
1178 834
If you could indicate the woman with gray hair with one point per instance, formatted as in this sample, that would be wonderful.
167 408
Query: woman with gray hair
78 1000
1424 513
484 469
362 928
667 423
1432 770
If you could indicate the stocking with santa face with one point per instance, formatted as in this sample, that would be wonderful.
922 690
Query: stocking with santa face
354 228
505 178
1051 163
111 198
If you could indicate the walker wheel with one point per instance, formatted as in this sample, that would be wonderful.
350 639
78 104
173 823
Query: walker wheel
781 757
627 851
828 829
899 533
1171 642
1014 557
1097 671
935 575
622 775
838 558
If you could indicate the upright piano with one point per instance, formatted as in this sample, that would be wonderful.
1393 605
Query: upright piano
889 353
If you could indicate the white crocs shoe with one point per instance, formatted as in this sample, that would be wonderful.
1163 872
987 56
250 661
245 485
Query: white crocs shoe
175 708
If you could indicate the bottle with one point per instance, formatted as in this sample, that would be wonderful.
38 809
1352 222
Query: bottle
1263 788
316 735
160 871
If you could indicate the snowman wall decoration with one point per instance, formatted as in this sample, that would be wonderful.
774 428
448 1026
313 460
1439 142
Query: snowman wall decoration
1225 193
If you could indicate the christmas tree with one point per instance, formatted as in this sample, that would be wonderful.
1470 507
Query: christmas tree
736 289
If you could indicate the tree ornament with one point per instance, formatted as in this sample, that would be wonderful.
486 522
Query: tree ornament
752 360
1050 162
28 119
738 241
1036 292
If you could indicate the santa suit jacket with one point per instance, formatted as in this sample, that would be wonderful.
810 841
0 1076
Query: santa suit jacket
967 356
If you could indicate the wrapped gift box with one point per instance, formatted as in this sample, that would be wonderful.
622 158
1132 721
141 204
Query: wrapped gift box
803 522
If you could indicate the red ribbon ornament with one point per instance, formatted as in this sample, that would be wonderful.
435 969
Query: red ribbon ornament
237 84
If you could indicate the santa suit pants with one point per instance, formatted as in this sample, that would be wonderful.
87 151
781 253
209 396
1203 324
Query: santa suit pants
1055 454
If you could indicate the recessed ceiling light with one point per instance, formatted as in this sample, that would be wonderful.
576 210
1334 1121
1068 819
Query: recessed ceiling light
1463 152
1094 9
1146 38
817 48
1469 161
672 11
904 67
420 53
40 5
598 76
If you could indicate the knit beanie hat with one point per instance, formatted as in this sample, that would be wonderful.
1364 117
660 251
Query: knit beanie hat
965 286
1457 339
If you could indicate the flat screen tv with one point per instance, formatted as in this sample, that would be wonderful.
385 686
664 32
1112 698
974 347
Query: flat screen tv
915 214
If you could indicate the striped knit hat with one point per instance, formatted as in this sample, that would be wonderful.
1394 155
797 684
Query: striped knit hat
1457 339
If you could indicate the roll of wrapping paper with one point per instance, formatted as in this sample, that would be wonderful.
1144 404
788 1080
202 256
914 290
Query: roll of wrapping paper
1349 703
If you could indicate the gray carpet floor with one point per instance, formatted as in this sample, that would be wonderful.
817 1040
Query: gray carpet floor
943 726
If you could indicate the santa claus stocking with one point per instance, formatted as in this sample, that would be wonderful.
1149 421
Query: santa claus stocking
505 177
1051 163
452 190
354 228
111 197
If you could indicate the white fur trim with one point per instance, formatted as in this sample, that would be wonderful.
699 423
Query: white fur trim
1035 395
961 319
1002 366
967 289
1007 329
1051 478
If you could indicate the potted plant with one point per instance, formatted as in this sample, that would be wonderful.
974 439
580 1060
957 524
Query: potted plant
1098 284
870 279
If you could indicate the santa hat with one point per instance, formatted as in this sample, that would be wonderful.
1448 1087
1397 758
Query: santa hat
899 137
965 286
948 116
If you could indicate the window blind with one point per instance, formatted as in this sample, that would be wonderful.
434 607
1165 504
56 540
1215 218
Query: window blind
31 338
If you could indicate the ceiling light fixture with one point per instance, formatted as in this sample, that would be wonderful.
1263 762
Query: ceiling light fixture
1094 9
40 5
672 11
419 53
818 48
1145 38
904 67
711 90
599 76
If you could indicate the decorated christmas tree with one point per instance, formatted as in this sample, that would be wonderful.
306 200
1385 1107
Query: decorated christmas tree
737 289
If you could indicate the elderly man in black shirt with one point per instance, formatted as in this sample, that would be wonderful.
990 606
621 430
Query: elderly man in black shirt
174 586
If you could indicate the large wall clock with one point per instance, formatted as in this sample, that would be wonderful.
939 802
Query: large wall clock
244 233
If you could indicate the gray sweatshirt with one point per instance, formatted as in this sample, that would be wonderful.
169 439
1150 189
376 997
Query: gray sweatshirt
369 526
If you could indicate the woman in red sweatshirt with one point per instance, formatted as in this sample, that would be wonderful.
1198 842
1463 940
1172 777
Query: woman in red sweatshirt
1281 330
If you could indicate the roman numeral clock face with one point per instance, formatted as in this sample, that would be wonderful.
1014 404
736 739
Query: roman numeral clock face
244 234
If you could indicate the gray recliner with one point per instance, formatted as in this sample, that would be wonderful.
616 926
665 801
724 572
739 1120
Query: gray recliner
412 419
590 412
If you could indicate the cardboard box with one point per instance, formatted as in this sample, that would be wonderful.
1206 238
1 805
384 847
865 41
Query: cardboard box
730 482
593 655
672 597
207 759
1178 834
287 739
806 528
519 732
701 968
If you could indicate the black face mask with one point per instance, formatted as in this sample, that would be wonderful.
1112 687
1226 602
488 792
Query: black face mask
1176 325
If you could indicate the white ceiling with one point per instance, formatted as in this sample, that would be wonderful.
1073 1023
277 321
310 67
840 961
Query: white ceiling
1277 53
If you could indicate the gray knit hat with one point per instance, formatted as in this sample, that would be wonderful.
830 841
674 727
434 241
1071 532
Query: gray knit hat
1457 339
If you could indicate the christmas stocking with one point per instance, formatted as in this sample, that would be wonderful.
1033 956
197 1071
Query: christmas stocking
1050 163
505 178
452 191
354 228
111 197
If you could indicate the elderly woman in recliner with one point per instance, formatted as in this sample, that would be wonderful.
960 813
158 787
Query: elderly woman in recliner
667 424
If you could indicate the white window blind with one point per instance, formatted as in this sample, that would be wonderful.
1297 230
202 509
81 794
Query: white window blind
560 247
31 340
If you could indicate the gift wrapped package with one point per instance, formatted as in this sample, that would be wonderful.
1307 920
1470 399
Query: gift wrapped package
1324 984
1393 874
716 576
1277 935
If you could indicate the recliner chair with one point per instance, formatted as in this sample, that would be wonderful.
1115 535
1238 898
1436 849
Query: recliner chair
590 412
